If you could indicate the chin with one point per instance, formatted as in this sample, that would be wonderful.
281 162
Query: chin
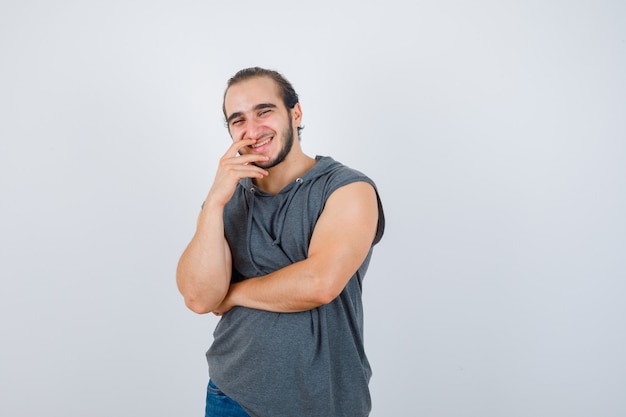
269 164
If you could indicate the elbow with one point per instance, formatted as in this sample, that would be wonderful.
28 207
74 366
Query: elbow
326 291
200 298
324 298
198 306
203 302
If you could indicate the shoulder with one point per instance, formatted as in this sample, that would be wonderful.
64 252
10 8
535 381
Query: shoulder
337 176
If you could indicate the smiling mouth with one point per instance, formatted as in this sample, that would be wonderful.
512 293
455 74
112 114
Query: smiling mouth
259 144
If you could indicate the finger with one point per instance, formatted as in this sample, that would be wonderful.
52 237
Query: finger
235 147
245 160
247 171
248 158
240 144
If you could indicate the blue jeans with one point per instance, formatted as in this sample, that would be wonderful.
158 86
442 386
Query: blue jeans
219 404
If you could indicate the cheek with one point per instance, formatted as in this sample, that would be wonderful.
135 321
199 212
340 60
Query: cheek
236 134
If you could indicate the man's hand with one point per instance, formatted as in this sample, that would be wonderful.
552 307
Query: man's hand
227 303
232 168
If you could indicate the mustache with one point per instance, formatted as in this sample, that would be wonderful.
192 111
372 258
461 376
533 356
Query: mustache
264 135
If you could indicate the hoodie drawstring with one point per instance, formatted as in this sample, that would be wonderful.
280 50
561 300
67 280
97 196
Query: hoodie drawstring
280 217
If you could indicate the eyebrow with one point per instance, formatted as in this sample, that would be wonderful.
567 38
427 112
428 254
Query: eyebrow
257 107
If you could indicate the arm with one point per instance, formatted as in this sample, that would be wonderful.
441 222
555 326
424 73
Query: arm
204 269
341 240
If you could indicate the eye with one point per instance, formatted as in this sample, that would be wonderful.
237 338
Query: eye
237 122
264 112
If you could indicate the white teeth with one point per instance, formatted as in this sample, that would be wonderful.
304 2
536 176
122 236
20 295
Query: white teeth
265 142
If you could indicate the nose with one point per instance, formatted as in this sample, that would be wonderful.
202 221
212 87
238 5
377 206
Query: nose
255 129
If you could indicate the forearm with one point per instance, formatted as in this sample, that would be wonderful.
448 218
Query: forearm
298 287
204 269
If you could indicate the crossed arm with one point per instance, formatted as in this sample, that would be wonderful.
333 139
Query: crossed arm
340 242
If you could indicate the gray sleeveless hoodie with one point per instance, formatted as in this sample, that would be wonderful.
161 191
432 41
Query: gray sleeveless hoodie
307 364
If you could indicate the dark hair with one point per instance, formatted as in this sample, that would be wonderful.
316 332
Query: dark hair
287 92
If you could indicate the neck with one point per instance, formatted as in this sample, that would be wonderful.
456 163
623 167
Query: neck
294 166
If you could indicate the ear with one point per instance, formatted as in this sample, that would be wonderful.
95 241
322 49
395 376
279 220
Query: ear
296 115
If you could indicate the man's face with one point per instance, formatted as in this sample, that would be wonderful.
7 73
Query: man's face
255 110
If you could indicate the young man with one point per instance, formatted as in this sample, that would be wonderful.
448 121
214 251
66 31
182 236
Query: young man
281 248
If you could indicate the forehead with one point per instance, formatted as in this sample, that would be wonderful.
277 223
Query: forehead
244 95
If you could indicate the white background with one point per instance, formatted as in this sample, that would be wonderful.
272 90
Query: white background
496 132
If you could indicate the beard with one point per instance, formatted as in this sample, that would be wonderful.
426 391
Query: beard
287 144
